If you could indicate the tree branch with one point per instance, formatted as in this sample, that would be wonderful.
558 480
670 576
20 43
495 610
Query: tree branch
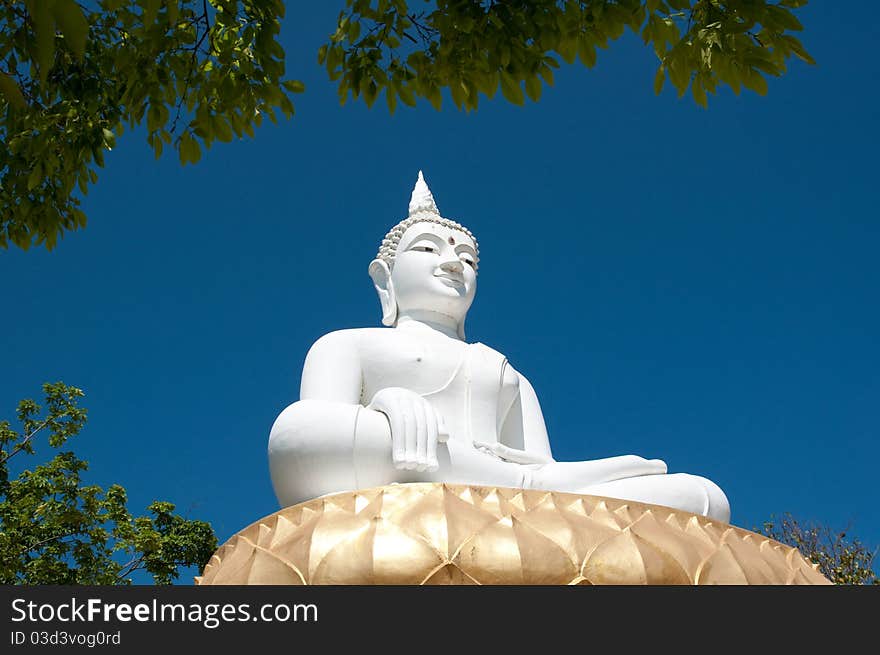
46 541
29 437
129 567
193 66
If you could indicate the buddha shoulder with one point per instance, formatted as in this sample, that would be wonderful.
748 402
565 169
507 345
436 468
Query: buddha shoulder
348 343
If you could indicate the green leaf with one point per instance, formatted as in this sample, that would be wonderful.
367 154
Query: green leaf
294 86
73 25
567 49
370 92
406 95
189 149
533 87
44 27
586 53
459 95
699 93
783 17
154 117
222 129
173 9
511 89
9 89
109 138
35 177
546 74
659 79
353 31
678 75
391 99
798 48
754 81
435 97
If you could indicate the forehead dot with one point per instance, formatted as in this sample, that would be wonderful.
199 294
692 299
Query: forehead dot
451 241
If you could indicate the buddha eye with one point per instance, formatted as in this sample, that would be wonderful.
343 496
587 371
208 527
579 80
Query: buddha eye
424 248
467 260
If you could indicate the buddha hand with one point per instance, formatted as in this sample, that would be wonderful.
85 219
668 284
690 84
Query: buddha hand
415 428
509 454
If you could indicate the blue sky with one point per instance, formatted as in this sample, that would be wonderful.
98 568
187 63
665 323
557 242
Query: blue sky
697 286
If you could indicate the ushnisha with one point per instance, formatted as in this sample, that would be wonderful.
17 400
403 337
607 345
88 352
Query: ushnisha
414 402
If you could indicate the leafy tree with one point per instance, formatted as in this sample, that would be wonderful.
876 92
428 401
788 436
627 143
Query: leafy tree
841 559
475 47
72 78
73 74
55 530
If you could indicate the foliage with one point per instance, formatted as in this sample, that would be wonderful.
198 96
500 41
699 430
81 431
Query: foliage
842 560
72 78
474 47
55 530
73 74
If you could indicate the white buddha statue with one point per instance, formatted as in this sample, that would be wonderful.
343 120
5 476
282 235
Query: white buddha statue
415 402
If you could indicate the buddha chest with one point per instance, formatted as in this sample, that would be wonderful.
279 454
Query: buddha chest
393 358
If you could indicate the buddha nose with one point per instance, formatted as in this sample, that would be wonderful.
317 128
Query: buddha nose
452 266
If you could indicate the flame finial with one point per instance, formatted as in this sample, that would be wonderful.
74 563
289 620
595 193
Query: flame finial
422 201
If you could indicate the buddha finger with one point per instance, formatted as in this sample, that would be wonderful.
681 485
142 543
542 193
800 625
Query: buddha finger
421 435
645 466
514 455
431 421
387 403
398 430
410 434
659 465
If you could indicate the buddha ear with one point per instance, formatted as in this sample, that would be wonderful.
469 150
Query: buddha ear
381 276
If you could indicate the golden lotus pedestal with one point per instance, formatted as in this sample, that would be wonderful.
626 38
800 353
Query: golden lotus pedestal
447 534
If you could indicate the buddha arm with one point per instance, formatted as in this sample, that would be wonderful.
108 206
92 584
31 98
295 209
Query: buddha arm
315 441
522 422
332 370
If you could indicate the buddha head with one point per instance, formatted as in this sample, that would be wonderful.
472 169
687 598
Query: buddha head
426 265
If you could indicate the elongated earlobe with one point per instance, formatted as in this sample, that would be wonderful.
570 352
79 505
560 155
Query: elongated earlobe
381 276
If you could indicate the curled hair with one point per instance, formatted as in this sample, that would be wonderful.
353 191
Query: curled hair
392 239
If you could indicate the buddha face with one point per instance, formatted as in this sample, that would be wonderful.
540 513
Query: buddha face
434 270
